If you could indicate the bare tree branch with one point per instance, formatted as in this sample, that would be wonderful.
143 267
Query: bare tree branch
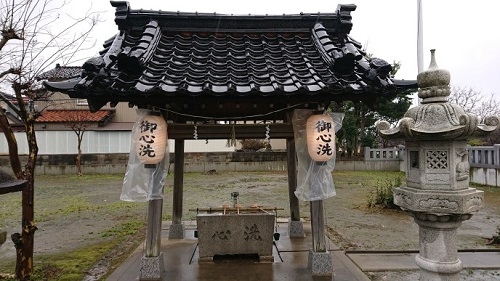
8 101
77 121
475 102
12 143
10 71
32 38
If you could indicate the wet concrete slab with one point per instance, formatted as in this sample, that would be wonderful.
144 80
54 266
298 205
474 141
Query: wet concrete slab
388 261
290 261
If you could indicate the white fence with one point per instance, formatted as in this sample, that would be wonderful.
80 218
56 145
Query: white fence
384 154
484 161
484 156
394 155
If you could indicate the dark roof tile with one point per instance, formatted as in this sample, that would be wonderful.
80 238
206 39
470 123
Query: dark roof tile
60 73
164 56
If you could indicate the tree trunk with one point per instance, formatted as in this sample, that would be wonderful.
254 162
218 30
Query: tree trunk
358 113
12 143
79 156
79 163
24 242
362 121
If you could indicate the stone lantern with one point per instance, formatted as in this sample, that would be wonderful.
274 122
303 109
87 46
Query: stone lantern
437 192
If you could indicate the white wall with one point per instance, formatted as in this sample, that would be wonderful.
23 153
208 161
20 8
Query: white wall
486 176
65 142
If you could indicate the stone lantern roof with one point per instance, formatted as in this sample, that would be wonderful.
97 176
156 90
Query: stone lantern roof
435 118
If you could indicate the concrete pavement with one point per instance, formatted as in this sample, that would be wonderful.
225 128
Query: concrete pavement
397 260
290 261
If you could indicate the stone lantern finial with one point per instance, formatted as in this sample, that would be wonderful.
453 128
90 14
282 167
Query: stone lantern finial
434 82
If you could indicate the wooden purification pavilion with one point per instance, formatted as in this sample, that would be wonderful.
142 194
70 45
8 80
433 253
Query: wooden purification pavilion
231 76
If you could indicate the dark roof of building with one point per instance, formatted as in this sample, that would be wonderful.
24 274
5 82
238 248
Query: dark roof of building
214 65
61 73
76 115
15 123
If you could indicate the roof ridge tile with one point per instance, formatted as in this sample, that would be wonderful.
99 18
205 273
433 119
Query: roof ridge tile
176 58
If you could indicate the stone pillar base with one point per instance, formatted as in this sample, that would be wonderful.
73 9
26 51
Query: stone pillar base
438 257
176 231
438 271
296 229
320 263
151 268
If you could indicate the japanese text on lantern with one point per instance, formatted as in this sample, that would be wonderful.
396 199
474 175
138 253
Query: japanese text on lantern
324 137
147 138
320 131
151 138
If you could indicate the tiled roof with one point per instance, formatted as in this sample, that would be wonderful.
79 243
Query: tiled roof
61 73
66 115
198 63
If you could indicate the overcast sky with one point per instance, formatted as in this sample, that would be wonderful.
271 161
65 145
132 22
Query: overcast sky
464 33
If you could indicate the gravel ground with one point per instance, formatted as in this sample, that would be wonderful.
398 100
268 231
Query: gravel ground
75 211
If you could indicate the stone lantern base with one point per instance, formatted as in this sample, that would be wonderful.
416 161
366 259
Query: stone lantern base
438 214
438 259
431 201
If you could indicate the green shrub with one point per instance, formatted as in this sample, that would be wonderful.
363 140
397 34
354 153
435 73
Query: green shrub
253 144
383 194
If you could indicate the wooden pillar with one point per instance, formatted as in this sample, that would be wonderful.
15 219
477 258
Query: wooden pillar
292 180
320 259
153 232
318 226
295 226
178 181
176 229
151 267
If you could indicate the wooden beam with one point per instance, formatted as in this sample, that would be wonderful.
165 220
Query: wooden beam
222 131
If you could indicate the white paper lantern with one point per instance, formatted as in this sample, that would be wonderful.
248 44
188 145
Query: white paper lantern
151 139
320 137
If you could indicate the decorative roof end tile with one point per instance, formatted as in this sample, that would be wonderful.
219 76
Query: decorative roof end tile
132 59
121 14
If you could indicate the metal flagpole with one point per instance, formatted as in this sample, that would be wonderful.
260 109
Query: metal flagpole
420 31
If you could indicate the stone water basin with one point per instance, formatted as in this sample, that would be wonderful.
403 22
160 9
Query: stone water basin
236 231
